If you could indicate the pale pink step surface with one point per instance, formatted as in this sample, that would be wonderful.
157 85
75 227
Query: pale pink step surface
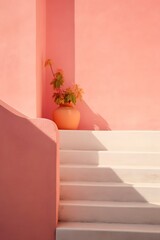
105 231
110 140
103 191
101 173
109 158
110 212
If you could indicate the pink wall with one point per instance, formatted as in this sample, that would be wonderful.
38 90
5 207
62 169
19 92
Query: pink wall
40 54
59 45
22 50
117 59
112 49
18 59
29 171
28 176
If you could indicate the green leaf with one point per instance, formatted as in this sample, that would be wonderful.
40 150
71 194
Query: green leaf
58 81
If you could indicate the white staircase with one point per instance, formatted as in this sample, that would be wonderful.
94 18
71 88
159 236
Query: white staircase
110 185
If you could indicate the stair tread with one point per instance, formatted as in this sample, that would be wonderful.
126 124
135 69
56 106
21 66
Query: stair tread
110 140
108 184
109 204
107 152
109 166
109 227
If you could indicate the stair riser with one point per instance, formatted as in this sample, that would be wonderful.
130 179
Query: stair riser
104 235
103 193
110 175
128 215
111 140
97 158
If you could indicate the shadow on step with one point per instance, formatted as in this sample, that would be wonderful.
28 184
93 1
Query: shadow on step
101 194
107 184
95 174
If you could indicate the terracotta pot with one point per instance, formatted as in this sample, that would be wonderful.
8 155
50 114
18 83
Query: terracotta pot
66 117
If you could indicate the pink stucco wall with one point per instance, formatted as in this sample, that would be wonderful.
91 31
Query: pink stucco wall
17 48
59 45
28 147
22 50
40 55
28 176
117 60
112 49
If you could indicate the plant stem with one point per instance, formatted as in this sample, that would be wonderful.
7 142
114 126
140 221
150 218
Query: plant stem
52 70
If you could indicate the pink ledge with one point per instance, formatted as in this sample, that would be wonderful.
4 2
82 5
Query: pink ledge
29 176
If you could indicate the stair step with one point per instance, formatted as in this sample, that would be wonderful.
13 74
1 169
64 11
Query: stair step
104 231
147 141
102 191
110 212
125 174
110 185
109 158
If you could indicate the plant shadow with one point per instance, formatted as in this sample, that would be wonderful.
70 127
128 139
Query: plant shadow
91 120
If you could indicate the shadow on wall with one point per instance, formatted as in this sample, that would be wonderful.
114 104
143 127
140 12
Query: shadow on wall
28 152
91 120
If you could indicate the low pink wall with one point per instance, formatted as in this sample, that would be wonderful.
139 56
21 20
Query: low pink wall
28 177
112 49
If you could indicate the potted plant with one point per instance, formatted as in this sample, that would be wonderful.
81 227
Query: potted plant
66 116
